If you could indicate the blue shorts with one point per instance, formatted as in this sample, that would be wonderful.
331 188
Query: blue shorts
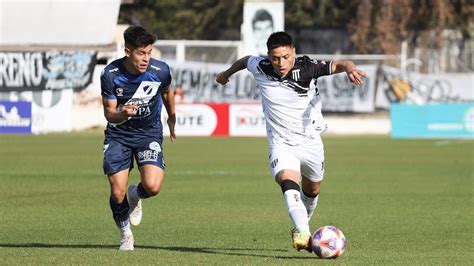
119 156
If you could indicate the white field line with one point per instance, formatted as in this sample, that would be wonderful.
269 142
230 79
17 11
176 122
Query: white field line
451 142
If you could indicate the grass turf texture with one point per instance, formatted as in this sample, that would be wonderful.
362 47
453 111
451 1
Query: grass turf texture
397 201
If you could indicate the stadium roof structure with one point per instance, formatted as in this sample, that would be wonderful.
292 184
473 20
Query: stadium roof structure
63 23
57 47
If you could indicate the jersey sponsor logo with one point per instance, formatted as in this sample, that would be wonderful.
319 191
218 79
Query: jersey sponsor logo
147 156
143 95
142 110
113 70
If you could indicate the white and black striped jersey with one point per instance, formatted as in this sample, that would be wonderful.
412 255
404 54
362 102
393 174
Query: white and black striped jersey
291 104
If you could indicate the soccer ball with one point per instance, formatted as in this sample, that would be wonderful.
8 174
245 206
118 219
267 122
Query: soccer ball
328 242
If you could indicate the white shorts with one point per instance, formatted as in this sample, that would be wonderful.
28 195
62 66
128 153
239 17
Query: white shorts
307 159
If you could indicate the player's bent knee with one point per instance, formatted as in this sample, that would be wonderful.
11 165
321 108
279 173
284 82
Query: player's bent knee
279 175
310 188
312 192
153 190
118 195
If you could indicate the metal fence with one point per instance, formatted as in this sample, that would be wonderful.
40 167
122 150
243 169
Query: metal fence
226 52
448 59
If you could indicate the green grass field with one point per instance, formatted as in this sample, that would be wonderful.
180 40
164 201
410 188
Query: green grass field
404 202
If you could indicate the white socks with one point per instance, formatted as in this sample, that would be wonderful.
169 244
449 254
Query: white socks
297 210
310 204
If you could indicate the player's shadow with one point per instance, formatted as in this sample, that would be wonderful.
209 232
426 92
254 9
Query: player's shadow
221 251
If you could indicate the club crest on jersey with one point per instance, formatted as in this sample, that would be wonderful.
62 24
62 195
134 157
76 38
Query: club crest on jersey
119 92
295 74
147 89
155 146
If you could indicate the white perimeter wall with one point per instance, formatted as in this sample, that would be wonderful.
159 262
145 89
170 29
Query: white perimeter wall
58 22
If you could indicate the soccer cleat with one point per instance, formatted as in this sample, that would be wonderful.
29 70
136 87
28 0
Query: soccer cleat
136 211
301 240
126 242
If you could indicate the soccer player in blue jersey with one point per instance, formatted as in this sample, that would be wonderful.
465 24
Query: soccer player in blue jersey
134 89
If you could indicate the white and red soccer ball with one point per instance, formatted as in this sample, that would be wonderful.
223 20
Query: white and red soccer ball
328 242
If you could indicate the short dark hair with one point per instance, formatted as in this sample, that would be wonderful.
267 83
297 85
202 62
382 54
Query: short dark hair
137 36
279 39
261 15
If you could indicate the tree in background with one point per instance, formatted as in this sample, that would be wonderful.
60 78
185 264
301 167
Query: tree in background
186 19
436 32
221 19
318 13
381 25
378 26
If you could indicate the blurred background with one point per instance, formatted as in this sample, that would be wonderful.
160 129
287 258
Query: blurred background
419 56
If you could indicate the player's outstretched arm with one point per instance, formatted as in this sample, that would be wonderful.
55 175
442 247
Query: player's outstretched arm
353 73
168 102
223 77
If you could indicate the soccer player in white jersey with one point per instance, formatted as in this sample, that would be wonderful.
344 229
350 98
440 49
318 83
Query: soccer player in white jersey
293 122
134 90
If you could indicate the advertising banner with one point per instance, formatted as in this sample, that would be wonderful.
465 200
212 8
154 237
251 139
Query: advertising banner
246 120
432 120
197 120
195 83
15 117
338 94
87 109
417 88
52 70
50 109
